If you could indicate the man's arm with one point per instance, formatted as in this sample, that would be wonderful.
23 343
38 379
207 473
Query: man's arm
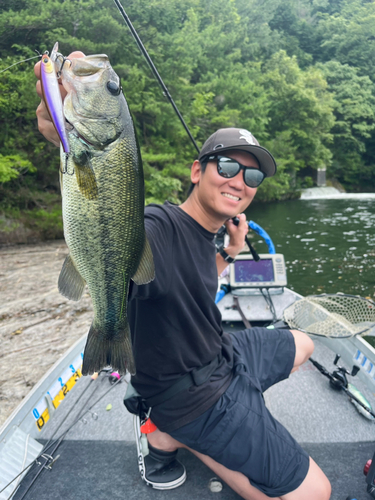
236 241
45 124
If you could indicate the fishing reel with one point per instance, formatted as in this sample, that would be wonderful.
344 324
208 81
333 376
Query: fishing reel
338 381
338 378
220 239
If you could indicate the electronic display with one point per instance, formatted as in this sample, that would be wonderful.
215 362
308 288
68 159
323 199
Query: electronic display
268 272
249 270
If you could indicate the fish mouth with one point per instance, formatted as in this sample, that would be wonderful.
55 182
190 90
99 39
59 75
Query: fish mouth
71 129
89 65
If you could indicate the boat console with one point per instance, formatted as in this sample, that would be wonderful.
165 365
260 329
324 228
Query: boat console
246 274
252 282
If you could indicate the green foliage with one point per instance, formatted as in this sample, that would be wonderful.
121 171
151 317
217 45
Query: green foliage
349 36
298 73
161 188
47 223
11 167
354 109
301 106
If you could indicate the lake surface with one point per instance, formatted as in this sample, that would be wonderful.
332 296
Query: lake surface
328 244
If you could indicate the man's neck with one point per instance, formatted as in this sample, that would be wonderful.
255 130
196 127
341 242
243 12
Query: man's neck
197 212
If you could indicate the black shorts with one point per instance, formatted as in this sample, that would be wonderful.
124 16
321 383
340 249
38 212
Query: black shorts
238 431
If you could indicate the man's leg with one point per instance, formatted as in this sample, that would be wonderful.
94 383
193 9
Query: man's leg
304 348
314 487
159 467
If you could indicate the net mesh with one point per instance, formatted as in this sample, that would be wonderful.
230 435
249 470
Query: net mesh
331 315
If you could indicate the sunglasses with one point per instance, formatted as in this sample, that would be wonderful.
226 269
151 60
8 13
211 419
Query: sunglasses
228 168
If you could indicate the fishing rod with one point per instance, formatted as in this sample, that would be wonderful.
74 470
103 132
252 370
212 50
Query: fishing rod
154 70
338 380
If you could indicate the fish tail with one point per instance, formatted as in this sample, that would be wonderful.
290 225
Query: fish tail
101 352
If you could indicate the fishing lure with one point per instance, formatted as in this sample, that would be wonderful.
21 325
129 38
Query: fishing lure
52 96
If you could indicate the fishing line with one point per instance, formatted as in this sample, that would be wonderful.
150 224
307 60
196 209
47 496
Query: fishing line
154 70
20 62
59 440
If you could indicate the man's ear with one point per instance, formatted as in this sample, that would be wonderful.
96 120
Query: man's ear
196 172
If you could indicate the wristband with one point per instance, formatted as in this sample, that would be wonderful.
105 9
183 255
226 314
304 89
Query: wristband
225 256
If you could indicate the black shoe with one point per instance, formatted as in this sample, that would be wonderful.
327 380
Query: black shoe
159 469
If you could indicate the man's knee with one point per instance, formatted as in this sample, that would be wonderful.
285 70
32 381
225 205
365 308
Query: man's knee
304 348
315 486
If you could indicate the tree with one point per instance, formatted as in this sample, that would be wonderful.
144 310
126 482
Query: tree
354 109
349 36
300 110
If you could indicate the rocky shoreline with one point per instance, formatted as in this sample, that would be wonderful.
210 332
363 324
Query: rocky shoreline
37 324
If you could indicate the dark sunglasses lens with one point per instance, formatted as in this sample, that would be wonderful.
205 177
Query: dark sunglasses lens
227 167
253 177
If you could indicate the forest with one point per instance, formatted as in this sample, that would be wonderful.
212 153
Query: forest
299 74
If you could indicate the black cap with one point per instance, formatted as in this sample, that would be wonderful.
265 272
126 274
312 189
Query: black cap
226 139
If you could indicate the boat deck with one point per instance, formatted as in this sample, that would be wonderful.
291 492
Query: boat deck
98 459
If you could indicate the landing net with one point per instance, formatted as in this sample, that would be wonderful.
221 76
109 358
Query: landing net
331 315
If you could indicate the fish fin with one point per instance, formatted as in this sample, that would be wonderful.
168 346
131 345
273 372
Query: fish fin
146 271
61 170
86 178
70 284
101 352
61 182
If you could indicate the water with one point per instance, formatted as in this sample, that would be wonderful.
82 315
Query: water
328 244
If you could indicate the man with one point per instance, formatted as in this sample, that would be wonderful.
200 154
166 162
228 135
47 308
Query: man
204 387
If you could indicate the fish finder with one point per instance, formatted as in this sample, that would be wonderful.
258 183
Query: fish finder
268 272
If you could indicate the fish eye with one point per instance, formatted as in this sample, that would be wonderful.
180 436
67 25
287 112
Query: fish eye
114 88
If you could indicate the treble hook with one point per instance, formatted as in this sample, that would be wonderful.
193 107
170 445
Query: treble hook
65 171
62 65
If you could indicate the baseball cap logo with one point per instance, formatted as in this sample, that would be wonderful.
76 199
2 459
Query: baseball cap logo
245 134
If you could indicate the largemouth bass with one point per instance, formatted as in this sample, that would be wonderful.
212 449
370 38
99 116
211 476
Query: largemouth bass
103 209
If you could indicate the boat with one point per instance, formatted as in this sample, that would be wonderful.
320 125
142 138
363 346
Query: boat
72 437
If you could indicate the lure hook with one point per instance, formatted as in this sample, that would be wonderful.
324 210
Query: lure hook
58 74
65 170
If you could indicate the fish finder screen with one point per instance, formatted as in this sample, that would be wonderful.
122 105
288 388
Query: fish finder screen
247 271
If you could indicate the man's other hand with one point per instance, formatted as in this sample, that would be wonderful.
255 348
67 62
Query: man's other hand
236 235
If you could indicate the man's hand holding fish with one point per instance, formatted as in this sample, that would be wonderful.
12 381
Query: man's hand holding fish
45 123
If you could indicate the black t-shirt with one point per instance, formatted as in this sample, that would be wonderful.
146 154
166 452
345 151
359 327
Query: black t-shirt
175 323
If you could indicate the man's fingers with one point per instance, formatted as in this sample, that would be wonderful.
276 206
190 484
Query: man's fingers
76 55
42 111
39 89
45 124
37 69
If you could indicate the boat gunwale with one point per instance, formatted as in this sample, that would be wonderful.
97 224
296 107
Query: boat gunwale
20 417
